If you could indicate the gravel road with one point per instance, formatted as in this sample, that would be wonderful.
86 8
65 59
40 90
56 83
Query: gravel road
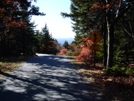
47 78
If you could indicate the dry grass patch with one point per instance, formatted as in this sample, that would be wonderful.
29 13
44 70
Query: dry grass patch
10 63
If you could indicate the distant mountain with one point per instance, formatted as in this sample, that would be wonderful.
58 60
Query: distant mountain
62 40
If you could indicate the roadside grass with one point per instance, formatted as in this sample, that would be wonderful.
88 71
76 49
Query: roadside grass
113 88
8 64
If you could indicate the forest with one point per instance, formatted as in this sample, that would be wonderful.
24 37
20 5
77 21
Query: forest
104 42
104 33
104 36
17 33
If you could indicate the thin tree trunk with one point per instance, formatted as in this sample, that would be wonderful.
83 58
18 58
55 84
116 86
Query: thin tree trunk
110 30
104 31
110 47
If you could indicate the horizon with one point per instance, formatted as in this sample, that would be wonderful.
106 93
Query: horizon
62 40
59 27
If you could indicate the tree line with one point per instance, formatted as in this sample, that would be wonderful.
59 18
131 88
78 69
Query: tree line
47 44
114 20
17 34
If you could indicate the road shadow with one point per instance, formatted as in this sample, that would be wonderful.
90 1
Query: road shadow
112 87
47 78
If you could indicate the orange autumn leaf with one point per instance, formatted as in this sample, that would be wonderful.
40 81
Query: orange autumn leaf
8 1
93 7
107 5
96 5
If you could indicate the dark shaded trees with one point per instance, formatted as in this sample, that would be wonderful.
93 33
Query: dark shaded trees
16 31
48 45
103 16
81 19
66 45
113 11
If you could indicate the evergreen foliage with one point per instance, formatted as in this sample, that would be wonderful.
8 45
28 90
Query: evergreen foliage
81 19
113 18
16 32
66 45
48 43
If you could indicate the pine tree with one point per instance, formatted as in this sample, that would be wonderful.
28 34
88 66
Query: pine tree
14 20
81 18
48 43
66 45
101 15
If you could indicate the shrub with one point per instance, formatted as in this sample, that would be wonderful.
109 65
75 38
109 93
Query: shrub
73 53
63 51
120 70
85 55
129 71
86 52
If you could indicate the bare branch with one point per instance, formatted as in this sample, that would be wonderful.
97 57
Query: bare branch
118 10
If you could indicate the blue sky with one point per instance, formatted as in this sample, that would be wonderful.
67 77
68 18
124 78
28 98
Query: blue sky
58 26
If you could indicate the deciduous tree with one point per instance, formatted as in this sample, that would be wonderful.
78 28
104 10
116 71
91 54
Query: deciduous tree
101 15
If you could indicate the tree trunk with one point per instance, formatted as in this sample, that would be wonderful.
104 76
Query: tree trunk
110 22
104 31
110 47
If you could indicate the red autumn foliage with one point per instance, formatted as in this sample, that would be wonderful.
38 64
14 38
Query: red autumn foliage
97 6
85 55
86 52
112 3
62 51
76 48
10 21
